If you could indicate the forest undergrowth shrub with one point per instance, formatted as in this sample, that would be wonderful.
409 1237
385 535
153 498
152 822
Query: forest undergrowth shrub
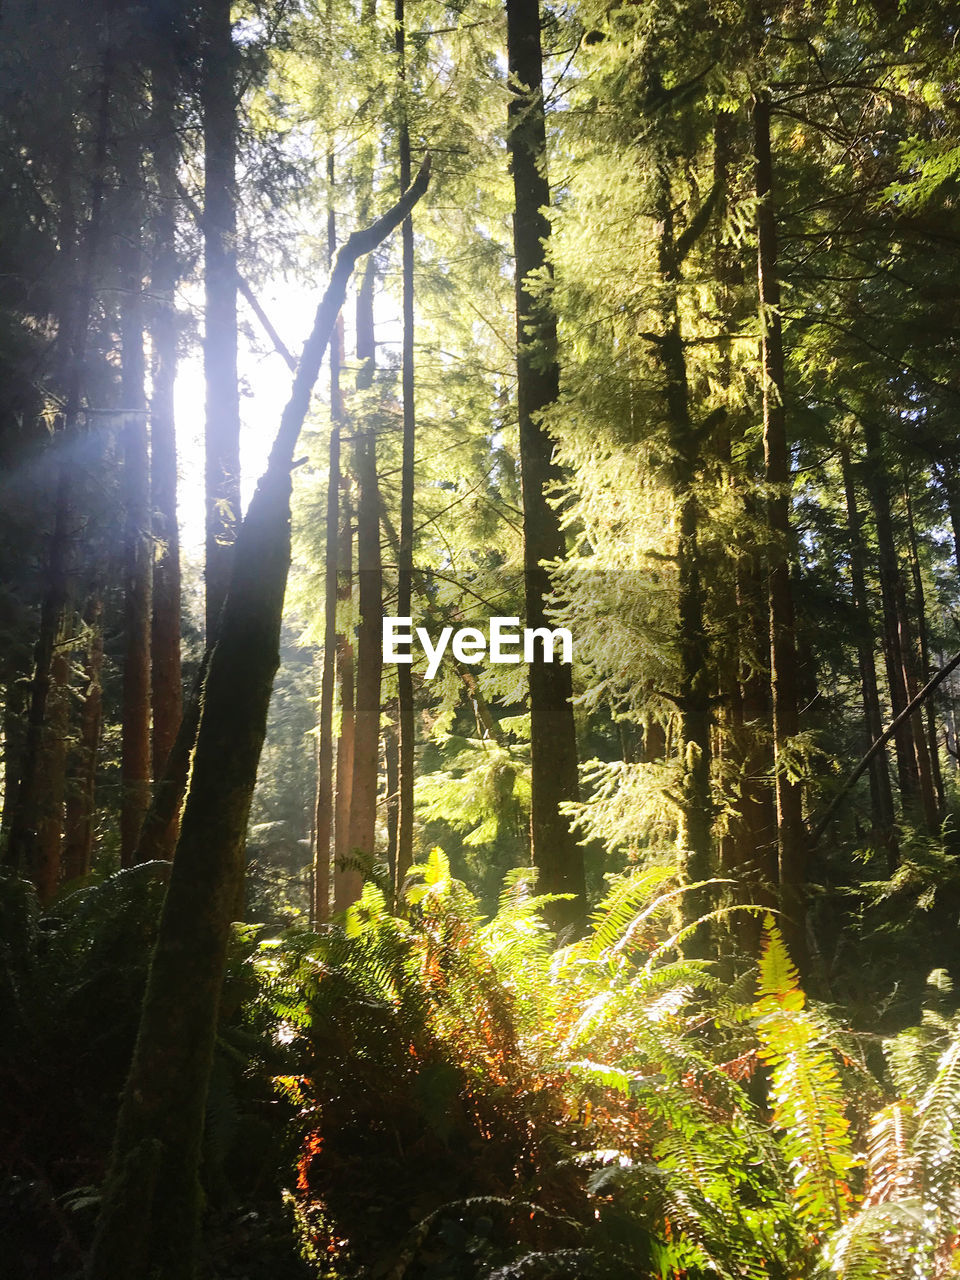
71 982
478 1104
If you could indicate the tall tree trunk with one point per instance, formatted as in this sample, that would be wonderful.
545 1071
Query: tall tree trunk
366 741
222 438
171 785
346 679
81 788
949 475
880 792
391 773
45 872
695 835
14 715
150 1211
406 724
791 838
323 820
555 851
754 834
891 590
138 540
74 323
167 687
919 609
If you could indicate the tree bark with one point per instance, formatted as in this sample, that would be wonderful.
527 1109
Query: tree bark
150 1212
695 827
556 854
366 741
891 591
74 323
135 767
346 679
880 792
391 773
166 675
406 724
791 839
923 674
45 871
323 820
81 788
222 437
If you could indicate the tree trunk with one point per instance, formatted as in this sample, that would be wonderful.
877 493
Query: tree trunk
891 590
406 724
923 641
138 541
222 438
881 794
150 1211
695 827
391 773
754 835
73 335
346 676
791 840
81 789
45 871
14 716
167 687
323 819
556 854
366 742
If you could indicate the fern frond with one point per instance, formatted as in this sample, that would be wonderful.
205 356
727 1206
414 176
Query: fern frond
808 1099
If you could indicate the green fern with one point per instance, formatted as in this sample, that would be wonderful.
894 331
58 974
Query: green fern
805 1087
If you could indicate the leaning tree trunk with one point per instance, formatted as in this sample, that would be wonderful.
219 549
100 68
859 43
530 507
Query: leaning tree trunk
222 434
553 741
150 1211
791 839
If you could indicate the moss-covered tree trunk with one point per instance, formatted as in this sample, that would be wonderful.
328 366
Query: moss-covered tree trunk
150 1214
